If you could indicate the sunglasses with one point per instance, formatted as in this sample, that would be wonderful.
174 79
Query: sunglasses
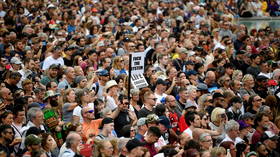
90 111
127 103
155 99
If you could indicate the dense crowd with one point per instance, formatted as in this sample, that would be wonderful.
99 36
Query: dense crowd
213 85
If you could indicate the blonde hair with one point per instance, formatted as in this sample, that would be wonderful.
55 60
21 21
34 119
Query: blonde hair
66 93
235 74
217 151
99 144
247 77
115 64
217 111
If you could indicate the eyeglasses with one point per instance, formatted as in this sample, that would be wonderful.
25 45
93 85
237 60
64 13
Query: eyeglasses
90 111
9 132
155 99
258 100
132 130
208 141
126 103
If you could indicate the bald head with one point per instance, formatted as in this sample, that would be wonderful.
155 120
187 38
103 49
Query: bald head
73 140
6 94
210 77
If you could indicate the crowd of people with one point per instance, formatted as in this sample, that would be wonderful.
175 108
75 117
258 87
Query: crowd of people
213 85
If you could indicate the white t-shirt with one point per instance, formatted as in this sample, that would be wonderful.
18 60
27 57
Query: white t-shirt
189 132
160 97
110 103
78 111
50 60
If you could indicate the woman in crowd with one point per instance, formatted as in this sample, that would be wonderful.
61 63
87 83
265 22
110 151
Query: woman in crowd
70 103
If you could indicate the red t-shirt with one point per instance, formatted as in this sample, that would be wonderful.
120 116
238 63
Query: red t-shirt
256 137
174 121
182 124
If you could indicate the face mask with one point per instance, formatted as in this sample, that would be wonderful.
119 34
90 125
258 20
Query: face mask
266 126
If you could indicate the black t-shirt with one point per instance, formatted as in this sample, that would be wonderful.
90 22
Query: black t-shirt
120 121
68 62
144 112
12 88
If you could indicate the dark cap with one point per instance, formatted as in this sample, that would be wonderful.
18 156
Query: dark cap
269 135
243 125
240 52
165 121
217 95
103 73
189 105
106 120
261 78
126 39
189 62
34 104
32 140
161 81
54 66
131 144
247 115
202 87
191 72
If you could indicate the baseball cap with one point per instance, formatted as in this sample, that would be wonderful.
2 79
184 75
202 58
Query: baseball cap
165 121
243 125
50 93
161 81
261 78
131 144
54 66
189 62
251 154
103 73
141 121
189 105
217 95
78 79
202 86
191 72
247 115
106 120
240 52
15 60
269 135
32 140
152 118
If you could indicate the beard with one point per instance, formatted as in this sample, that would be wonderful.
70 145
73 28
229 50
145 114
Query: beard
54 103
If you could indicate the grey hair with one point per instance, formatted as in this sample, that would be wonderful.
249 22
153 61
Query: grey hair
264 108
230 125
31 113
70 139
275 74
122 142
104 111
191 88
201 100
203 135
